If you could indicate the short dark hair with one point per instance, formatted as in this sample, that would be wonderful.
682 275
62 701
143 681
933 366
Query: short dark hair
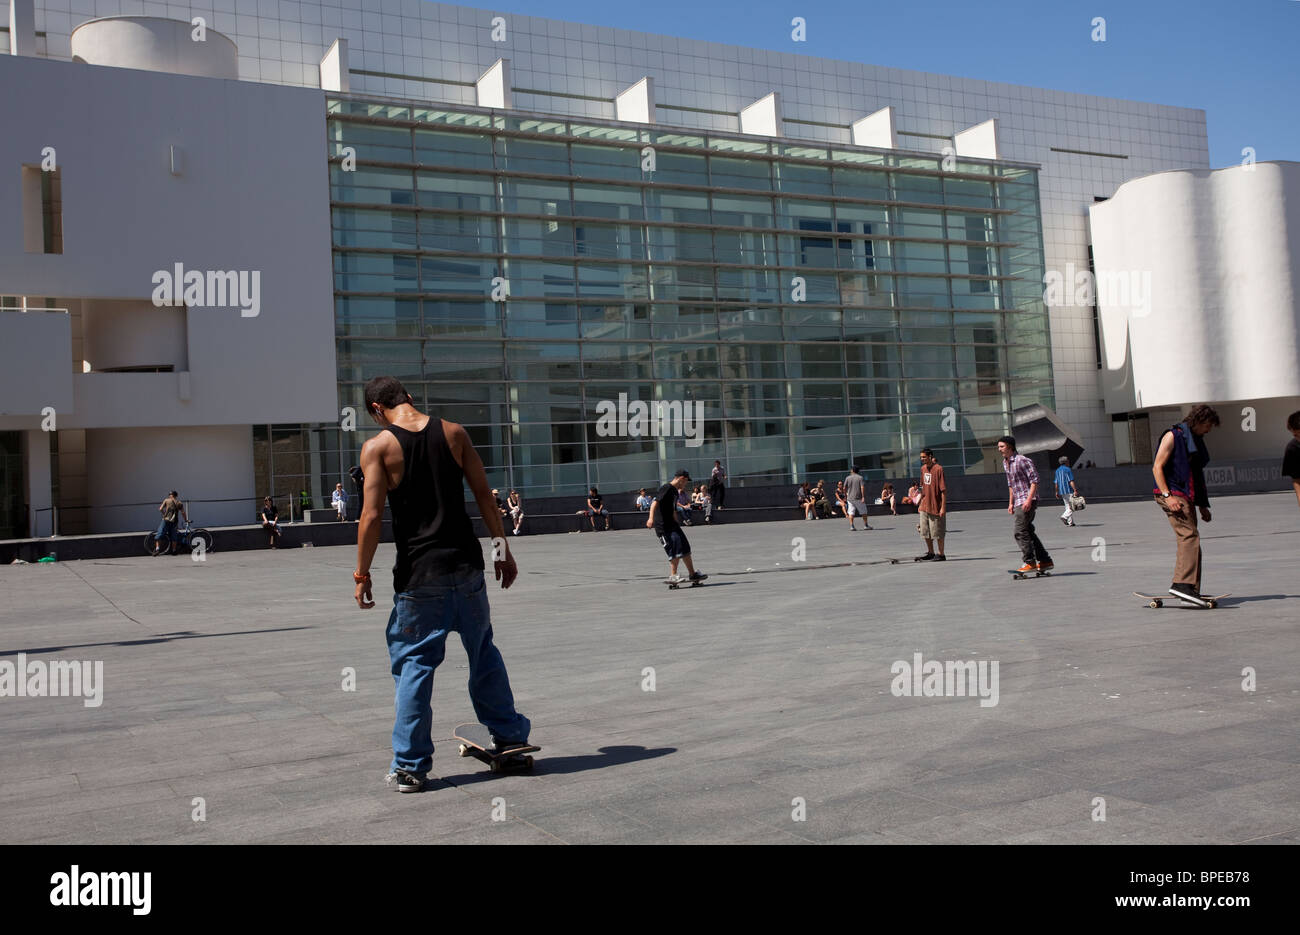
1293 421
1009 440
386 391
853 469
928 451
175 494
682 473
1201 413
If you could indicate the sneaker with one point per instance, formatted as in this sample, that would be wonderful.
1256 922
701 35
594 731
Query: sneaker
675 579
1027 567
941 558
1046 566
1065 521
1185 592
927 557
500 747
698 576
1071 523
406 781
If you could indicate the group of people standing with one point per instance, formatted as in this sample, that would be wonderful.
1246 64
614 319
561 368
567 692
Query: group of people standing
421 464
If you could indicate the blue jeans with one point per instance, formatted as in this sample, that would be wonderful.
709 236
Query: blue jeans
417 637
166 531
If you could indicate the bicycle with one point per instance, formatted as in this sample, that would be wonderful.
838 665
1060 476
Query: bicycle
185 535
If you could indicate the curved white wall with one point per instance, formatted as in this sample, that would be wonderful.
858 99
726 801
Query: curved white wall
155 44
1215 257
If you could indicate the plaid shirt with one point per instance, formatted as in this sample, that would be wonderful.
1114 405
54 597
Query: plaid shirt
1020 474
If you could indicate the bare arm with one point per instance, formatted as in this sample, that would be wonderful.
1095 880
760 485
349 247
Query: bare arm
1295 482
1163 454
371 521
654 509
462 449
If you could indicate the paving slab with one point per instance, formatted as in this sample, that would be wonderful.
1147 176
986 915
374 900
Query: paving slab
253 682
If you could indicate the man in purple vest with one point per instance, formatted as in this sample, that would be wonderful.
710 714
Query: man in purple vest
421 463
1180 490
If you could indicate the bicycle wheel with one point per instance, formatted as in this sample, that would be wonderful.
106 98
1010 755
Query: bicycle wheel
198 533
149 543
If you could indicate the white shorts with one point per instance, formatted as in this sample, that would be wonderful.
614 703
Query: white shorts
857 508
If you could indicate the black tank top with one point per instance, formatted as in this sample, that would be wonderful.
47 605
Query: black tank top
434 534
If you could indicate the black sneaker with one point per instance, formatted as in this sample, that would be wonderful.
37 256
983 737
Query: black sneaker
941 558
1185 592
927 557
698 576
406 781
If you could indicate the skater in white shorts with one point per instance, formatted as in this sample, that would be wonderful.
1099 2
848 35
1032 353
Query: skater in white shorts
855 497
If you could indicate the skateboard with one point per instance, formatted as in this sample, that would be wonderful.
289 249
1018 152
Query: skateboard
1017 574
1154 601
476 741
684 583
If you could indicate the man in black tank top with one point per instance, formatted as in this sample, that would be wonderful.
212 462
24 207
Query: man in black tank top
421 463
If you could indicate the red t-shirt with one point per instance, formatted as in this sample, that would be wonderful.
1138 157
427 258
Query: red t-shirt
932 484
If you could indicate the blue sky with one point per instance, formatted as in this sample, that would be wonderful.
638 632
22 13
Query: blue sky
1237 59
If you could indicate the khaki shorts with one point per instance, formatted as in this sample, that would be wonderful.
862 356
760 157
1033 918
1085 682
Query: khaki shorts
931 526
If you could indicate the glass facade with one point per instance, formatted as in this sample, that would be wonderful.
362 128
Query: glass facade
822 304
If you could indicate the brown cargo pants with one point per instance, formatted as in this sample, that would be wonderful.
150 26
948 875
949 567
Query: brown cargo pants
1182 517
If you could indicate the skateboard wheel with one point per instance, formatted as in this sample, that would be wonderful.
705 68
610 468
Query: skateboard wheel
1213 604
463 750
1156 604
528 762
494 766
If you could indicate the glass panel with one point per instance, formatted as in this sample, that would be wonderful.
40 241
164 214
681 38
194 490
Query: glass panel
461 150
741 173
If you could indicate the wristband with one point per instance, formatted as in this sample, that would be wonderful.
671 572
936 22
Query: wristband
360 578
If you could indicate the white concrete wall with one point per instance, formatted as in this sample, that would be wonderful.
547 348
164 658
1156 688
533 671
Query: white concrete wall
29 382
156 44
1221 253
252 195
140 466
133 334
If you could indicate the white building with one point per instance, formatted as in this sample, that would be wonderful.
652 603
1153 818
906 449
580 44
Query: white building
231 175
1198 283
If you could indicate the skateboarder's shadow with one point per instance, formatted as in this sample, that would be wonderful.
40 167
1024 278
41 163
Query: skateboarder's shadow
608 756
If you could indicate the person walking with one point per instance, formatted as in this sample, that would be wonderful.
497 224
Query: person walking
663 520
1179 472
932 512
421 463
1022 487
1291 457
718 485
172 510
1065 489
855 498
359 479
339 500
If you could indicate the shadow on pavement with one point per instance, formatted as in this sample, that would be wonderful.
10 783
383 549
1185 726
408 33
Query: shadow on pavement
160 638
556 765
